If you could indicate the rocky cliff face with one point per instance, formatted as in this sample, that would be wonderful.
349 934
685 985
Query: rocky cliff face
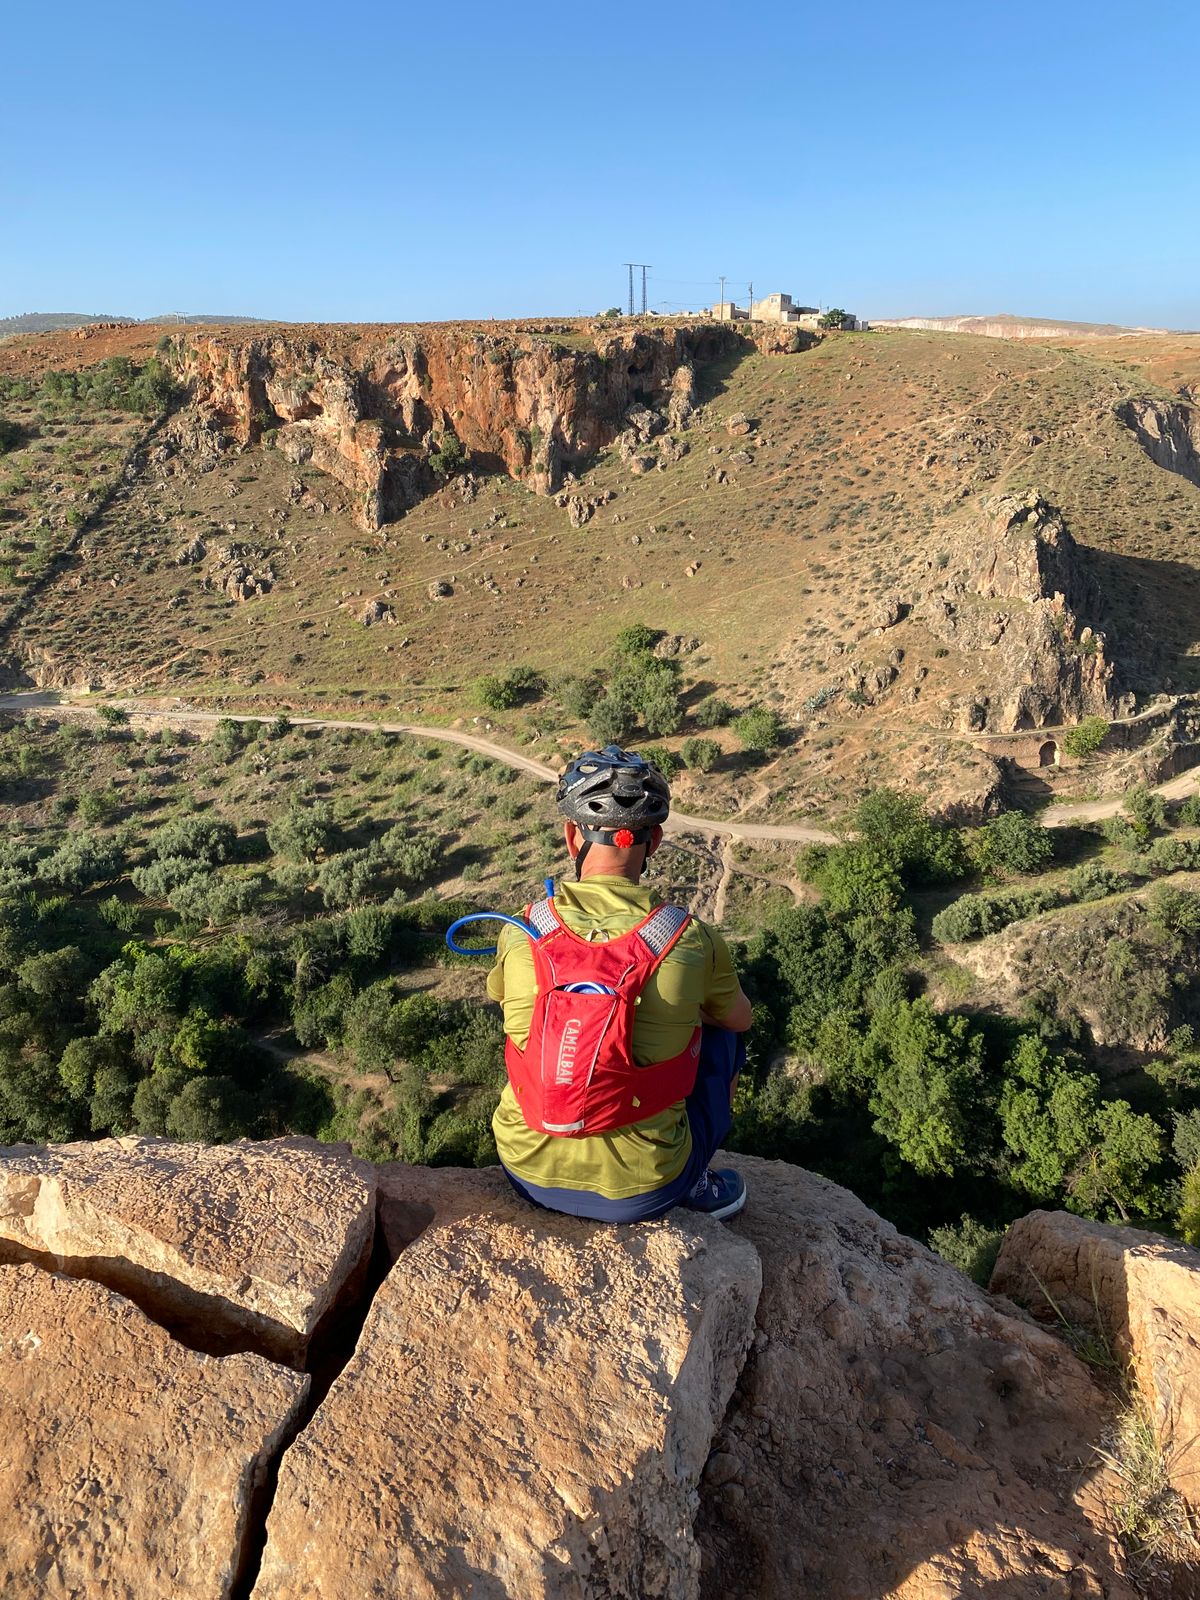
1018 590
800 1404
371 406
1169 434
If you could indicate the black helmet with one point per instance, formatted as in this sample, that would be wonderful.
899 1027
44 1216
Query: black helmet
613 791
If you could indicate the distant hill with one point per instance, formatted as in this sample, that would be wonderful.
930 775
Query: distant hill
48 321
1005 326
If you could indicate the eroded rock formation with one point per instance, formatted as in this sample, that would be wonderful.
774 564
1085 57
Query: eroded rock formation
1019 590
370 406
529 1405
1168 433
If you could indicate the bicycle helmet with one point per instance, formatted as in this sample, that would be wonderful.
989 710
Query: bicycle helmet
614 797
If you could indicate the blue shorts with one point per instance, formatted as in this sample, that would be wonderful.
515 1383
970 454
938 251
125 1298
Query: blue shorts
722 1057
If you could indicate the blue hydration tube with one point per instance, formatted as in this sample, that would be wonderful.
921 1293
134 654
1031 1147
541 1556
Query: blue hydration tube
491 916
485 916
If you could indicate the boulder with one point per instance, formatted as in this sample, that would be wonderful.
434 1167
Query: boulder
239 1246
527 1411
130 1465
896 1433
440 590
738 425
1140 1293
377 611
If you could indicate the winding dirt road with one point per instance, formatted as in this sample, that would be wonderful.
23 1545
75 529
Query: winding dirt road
46 702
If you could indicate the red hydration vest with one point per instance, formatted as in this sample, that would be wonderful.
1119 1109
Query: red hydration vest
576 1074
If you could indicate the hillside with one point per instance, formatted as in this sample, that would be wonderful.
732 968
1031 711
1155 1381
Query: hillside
811 551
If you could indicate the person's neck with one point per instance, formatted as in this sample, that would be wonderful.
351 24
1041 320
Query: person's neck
605 870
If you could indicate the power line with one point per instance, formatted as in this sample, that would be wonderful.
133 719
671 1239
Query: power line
645 268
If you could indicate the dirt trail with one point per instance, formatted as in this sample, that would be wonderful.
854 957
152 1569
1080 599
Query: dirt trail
1063 815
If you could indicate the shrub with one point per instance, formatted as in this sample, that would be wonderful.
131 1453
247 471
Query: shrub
700 755
1120 831
636 640
712 712
759 729
1146 810
502 692
449 457
970 1246
972 916
303 831
81 860
1189 812
11 435
1086 737
112 716
1094 881
659 756
609 721
1013 842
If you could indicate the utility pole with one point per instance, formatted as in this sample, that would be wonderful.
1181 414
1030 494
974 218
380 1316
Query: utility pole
629 264
722 297
750 304
645 269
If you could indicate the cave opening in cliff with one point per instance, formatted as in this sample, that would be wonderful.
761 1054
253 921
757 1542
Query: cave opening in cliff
1048 754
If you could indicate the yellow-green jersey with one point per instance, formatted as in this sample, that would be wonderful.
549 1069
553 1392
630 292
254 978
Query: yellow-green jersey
696 975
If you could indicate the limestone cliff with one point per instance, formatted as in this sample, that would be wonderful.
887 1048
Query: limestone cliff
370 406
799 1404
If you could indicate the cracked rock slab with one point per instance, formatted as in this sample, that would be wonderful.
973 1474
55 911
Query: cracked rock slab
129 1464
237 1246
528 1410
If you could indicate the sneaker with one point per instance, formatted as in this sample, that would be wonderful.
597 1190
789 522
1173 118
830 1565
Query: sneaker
718 1194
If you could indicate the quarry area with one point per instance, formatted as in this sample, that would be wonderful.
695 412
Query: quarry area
271 1369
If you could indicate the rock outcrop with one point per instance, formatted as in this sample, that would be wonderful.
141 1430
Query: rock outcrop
1169 433
895 1432
130 1466
1138 1292
1018 592
527 1413
372 406
243 1247
531 1405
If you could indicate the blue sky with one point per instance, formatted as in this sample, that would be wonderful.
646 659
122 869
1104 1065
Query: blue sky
366 161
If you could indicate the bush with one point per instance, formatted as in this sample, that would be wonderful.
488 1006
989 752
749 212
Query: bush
1013 842
502 692
636 640
970 1246
1094 881
1188 814
610 722
972 916
1147 811
81 860
712 712
303 831
895 826
1086 737
659 756
11 435
700 755
449 457
1124 834
759 729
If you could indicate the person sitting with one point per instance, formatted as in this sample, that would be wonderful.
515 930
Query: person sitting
625 1021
